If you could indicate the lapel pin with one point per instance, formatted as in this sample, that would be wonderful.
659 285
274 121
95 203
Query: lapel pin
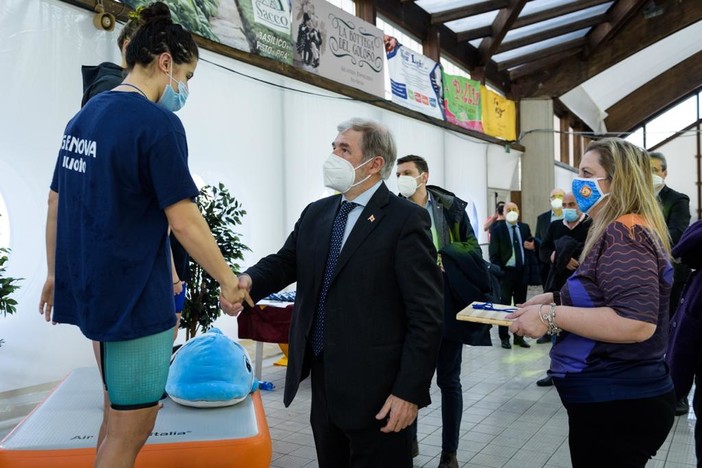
371 218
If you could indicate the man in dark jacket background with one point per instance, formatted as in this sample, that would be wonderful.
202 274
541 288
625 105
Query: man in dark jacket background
465 281
676 211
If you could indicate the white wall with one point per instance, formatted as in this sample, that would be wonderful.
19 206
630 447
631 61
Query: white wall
265 144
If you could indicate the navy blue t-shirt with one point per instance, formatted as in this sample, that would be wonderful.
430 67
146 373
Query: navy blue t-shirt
123 160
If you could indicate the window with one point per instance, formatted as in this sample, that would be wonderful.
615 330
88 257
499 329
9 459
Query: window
671 121
347 5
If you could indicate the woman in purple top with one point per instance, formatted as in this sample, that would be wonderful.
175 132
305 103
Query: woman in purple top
611 317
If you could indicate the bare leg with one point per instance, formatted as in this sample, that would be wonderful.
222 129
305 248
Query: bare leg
105 398
127 432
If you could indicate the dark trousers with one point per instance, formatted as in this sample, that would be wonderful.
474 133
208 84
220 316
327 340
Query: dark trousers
448 378
339 448
618 434
513 287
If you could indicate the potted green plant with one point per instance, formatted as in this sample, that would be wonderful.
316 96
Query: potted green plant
8 285
223 213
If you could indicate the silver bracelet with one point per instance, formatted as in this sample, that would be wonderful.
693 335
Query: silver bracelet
550 319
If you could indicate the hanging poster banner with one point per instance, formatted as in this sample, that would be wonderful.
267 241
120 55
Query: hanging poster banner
339 46
259 27
415 80
499 115
462 102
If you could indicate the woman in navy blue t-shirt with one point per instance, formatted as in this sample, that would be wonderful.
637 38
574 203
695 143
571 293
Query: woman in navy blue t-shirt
123 178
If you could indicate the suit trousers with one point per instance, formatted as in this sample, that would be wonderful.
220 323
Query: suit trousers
340 448
618 434
513 287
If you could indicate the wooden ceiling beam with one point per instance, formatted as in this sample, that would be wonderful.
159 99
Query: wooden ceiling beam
502 24
470 34
542 54
638 34
617 16
466 11
526 20
550 33
365 9
550 61
651 98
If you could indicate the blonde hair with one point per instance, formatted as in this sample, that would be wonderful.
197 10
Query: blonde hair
628 169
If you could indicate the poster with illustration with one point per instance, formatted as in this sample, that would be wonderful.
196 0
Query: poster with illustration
415 80
337 45
462 102
259 27
499 115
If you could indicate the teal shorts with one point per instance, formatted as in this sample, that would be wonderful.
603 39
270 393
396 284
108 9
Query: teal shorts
135 371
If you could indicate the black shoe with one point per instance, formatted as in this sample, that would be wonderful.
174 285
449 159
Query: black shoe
545 382
448 460
415 447
519 341
505 343
682 407
544 339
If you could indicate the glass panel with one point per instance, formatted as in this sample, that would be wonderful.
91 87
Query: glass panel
537 6
453 69
671 121
473 22
401 36
636 137
510 54
556 22
436 6
347 5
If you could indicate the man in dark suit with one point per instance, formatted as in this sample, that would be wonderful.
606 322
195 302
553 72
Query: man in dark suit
369 305
676 211
543 221
464 270
509 241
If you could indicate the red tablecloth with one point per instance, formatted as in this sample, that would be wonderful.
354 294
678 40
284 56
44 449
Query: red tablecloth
269 323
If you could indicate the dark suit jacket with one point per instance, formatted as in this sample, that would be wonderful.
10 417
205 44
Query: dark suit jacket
676 211
543 221
501 244
383 310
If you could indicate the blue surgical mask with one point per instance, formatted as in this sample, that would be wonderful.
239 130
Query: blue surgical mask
587 192
570 214
172 101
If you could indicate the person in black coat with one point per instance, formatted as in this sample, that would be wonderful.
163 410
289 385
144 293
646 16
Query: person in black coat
509 241
465 280
367 321
543 221
676 211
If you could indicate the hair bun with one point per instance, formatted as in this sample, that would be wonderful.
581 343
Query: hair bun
157 11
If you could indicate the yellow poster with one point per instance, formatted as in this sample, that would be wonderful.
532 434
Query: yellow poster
499 115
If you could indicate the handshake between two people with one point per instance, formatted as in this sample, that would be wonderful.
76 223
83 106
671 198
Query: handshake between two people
233 296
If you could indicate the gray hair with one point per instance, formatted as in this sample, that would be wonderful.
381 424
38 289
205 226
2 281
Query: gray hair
661 158
377 141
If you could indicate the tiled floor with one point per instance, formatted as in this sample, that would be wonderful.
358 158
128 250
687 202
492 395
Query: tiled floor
507 420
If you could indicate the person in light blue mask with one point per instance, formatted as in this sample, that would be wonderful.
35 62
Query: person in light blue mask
123 178
611 316
560 249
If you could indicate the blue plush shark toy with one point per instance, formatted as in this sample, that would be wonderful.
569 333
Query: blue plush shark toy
211 370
